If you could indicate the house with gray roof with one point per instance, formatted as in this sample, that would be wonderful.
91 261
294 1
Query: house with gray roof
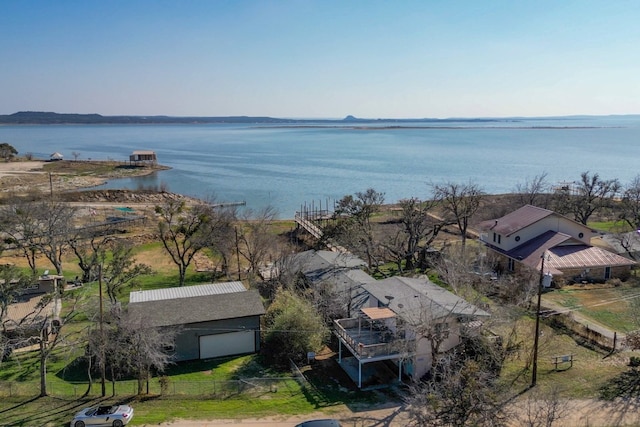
405 322
396 322
338 273
214 320
521 238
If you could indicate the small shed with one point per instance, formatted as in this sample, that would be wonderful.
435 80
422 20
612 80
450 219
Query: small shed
143 157
214 320
56 156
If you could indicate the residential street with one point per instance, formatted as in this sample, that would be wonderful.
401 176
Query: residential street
387 417
578 413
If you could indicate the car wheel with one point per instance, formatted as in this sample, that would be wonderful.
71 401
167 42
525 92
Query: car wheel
117 423
78 424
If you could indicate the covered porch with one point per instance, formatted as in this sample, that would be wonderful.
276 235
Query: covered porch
371 338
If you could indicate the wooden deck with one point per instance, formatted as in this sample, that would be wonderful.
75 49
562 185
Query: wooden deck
308 223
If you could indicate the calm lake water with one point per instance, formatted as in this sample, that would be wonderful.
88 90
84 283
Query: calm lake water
287 167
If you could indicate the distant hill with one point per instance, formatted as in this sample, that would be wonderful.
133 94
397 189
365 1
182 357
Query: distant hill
37 117
49 118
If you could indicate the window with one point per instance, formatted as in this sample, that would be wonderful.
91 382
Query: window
511 265
607 273
517 238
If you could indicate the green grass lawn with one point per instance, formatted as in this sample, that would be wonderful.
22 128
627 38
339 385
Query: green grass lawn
607 305
289 398
593 369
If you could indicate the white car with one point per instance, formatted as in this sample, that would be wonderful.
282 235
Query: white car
320 423
106 415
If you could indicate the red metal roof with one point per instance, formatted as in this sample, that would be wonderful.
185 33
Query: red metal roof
516 220
577 256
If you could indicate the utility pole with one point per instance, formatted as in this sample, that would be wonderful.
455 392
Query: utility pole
534 374
237 251
102 340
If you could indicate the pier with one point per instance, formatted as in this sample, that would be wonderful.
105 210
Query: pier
308 219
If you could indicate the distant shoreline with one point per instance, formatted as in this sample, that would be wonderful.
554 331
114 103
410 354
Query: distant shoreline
433 127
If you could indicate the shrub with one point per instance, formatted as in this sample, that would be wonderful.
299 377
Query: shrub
293 328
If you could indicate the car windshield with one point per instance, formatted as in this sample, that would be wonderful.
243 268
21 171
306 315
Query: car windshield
104 410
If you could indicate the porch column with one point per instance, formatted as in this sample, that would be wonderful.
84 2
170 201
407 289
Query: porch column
339 350
359 374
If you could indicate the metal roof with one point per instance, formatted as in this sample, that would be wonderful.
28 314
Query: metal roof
563 253
198 309
420 300
575 256
186 292
516 220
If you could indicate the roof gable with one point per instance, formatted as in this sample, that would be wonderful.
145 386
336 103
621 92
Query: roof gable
529 253
198 308
413 299
516 220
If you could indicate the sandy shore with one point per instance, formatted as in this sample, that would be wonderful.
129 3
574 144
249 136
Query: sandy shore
28 176
17 168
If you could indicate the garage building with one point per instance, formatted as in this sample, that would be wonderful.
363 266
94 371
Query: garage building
214 320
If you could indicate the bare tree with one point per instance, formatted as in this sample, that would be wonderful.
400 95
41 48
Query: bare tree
587 196
90 248
55 225
630 204
185 231
534 191
75 155
459 202
45 327
541 408
353 222
140 350
417 229
120 270
19 221
462 392
255 241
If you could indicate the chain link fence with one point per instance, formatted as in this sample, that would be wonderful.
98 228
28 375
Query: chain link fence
162 386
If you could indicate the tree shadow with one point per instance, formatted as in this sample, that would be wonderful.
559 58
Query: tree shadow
626 385
51 410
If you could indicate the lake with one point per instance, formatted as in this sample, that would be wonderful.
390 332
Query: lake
286 167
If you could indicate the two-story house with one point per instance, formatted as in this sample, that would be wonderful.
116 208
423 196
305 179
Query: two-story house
521 238
404 322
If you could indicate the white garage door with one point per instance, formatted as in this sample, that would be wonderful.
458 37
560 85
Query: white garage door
227 344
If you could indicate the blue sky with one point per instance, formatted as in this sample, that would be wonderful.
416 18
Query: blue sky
324 59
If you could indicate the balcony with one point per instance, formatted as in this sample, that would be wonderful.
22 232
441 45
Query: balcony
372 340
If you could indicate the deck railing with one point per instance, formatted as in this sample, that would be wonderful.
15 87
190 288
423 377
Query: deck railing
396 346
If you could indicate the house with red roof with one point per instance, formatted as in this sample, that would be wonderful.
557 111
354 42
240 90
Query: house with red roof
521 238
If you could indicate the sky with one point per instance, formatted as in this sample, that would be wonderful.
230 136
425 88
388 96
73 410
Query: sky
321 58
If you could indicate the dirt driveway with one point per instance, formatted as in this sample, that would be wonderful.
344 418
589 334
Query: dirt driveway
388 417
577 413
